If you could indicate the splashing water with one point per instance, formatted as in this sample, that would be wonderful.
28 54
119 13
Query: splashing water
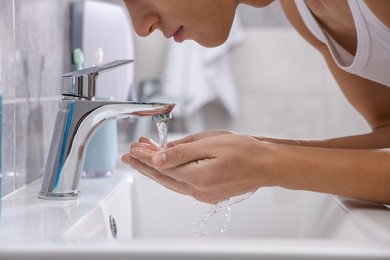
225 208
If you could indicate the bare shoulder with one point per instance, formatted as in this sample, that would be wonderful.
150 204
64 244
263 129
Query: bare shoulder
381 10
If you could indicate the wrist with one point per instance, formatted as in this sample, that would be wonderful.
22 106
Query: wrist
269 164
282 165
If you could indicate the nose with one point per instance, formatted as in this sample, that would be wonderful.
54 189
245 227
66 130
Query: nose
145 25
144 21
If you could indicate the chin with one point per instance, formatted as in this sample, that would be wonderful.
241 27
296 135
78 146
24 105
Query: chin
212 43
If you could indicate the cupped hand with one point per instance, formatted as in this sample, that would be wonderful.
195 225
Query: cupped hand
211 166
195 137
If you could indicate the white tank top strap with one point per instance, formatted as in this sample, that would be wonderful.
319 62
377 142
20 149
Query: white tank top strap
372 58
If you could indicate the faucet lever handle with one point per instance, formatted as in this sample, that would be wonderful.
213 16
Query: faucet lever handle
82 83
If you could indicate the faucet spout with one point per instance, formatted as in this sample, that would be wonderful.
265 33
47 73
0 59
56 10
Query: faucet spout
77 121
78 117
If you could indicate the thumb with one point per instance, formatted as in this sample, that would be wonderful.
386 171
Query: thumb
178 155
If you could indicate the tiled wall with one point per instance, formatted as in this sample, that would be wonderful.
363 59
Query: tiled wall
34 52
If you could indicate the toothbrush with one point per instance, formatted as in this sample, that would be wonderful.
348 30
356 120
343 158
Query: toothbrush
78 58
98 56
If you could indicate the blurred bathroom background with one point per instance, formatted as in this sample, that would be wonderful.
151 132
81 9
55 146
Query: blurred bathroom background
265 80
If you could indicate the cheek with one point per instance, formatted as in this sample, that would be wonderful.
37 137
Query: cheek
214 28
213 35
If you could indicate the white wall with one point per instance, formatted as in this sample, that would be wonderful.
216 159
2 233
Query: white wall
286 89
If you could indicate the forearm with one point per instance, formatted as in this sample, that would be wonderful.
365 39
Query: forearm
378 138
357 173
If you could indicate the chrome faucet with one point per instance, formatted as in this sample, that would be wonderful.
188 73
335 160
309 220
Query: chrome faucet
78 118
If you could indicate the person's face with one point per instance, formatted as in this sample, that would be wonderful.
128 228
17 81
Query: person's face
207 22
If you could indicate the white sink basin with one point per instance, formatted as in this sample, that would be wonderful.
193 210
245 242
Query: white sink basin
155 223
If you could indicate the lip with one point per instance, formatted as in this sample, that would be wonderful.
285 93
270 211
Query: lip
178 36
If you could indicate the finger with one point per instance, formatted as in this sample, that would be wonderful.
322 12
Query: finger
195 137
181 154
162 179
198 136
203 187
142 153
186 139
186 173
145 139
189 187
149 146
192 173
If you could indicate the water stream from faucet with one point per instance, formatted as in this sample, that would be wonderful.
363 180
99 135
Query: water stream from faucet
162 128
161 121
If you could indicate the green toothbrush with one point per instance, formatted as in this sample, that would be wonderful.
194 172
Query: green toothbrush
78 58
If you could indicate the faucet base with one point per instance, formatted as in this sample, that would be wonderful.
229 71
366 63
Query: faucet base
96 174
59 196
